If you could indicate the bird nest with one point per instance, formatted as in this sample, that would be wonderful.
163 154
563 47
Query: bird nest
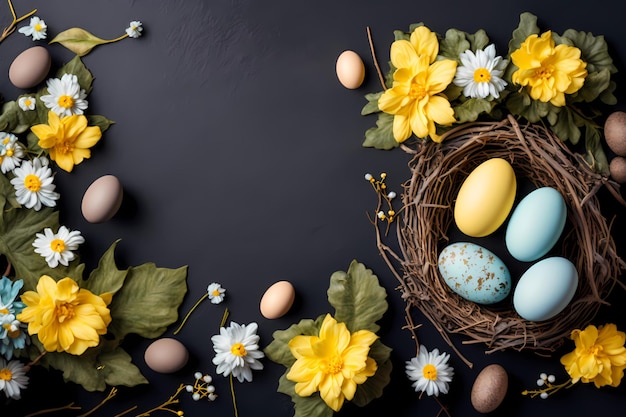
426 219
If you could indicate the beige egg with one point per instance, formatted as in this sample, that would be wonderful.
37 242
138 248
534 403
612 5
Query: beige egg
489 388
277 300
102 199
166 355
617 169
615 132
350 69
30 67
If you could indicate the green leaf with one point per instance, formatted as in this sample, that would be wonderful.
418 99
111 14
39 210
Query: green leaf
80 369
148 302
373 387
381 136
565 125
117 369
527 26
478 40
278 350
357 297
607 96
521 104
594 50
471 109
310 406
595 153
102 122
595 84
78 40
453 44
372 104
106 278
9 119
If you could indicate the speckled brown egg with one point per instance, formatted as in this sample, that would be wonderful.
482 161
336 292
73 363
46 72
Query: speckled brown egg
615 132
30 67
617 169
166 355
489 388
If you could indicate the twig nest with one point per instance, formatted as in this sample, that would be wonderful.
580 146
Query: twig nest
489 389
615 132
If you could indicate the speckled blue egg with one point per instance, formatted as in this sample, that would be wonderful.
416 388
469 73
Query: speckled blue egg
536 224
474 272
545 289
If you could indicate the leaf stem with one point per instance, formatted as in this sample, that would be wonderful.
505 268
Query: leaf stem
11 28
204 297
70 406
232 393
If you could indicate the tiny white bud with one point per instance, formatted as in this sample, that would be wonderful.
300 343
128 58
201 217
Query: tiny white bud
551 378
368 177
391 195
212 397
381 214
197 375
540 382
189 388
543 395
207 379
543 375
210 389
195 396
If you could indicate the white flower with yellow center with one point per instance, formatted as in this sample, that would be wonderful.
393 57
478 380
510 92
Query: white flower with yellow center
216 293
11 152
430 372
65 96
37 29
13 378
237 351
57 247
134 29
33 184
480 74
26 103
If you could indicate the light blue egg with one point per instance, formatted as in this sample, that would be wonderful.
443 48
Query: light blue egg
545 289
536 224
474 273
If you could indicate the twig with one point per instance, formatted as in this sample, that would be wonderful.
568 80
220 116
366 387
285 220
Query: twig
11 28
380 74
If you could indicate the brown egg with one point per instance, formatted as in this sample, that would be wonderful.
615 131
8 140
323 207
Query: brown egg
617 168
30 67
102 199
277 300
489 388
615 132
166 355
350 69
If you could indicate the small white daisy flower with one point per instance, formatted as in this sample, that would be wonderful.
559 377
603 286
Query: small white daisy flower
430 372
37 29
57 247
26 103
216 293
13 378
65 97
134 29
11 152
237 351
34 185
480 74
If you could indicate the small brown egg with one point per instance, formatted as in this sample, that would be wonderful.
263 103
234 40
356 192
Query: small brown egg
350 69
615 132
617 169
166 355
102 199
489 388
30 67
277 300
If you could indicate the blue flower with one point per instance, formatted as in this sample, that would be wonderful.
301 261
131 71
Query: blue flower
12 332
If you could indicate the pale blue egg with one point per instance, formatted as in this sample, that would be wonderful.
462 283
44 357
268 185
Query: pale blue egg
545 289
474 273
536 224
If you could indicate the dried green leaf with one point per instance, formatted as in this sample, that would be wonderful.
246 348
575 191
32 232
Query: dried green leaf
78 40
381 136
372 104
527 26
453 44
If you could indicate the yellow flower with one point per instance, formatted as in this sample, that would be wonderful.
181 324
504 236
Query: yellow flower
68 139
415 99
65 317
332 363
599 357
549 71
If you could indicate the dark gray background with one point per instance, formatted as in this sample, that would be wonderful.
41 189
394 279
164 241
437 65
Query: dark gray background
240 155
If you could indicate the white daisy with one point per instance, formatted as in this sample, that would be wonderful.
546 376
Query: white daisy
26 103
13 378
11 152
33 184
237 351
134 29
430 371
480 74
65 97
57 247
36 29
216 293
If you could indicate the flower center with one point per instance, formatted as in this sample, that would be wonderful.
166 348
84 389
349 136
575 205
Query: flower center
430 372
57 245
27 102
238 350
482 75
9 152
334 365
38 27
6 140
4 310
544 72
6 374
216 293
66 102
417 91
32 183
64 312
12 333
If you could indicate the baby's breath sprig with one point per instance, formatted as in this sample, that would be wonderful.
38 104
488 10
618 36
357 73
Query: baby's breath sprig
547 382
384 197
202 388
11 28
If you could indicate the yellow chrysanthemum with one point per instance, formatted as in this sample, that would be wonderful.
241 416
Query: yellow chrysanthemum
549 71
415 99
65 317
599 357
68 139
333 363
